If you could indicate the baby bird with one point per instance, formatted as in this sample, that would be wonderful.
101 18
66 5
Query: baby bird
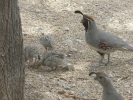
30 51
109 92
47 42
52 60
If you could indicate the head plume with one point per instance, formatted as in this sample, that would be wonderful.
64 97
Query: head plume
84 15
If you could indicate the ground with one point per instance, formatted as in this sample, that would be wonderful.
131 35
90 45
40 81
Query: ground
57 19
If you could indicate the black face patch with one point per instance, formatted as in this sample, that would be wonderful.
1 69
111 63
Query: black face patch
84 21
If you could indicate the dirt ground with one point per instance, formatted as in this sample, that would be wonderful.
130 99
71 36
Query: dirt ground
57 19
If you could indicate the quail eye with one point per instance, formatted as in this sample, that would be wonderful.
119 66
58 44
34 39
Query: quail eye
100 77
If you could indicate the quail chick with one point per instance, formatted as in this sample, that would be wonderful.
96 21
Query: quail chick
109 91
47 42
100 41
52 60
31 51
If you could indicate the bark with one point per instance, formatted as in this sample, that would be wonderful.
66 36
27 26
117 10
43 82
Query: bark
11 50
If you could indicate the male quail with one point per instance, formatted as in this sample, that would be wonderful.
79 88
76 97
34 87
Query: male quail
109 91
100 41
31 51
47 42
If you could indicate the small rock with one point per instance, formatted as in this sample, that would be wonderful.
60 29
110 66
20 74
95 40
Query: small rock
69 67
61 92
39 28
24 33
79 41
71 92
67 29
111 75
132 70
73 85
86 93
73 50
67 87
68 42
60 98
46 15
69 55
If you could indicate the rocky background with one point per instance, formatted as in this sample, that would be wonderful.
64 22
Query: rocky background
57 19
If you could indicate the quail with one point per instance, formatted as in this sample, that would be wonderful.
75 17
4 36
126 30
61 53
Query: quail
109 91
52 60
100 41
47 42
31 51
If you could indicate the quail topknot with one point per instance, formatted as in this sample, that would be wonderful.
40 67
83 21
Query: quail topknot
109 91
100 41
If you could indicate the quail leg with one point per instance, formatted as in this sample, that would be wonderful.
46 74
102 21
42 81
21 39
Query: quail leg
108 60
30 62
102 57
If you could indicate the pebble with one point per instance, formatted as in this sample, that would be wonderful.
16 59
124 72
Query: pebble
79 41
73 50
24 33
111 75
67 87
132 70
71 92
70 67
86 93
68 42
67 29
39 28
60 98
61 92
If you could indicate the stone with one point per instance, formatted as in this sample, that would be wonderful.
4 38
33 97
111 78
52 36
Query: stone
61 91
73 50
24 33
67 87
111 75
68 42
39 28
67 29
79 41
71 92
86 93
132 70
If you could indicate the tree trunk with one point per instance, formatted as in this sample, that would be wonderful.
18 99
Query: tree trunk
11 50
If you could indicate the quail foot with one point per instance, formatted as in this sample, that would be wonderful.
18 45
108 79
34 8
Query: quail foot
109 91
31 51
100 41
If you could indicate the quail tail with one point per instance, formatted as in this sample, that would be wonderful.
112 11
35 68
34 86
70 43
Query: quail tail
128 47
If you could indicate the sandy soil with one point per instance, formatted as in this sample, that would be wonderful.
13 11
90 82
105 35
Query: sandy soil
57 19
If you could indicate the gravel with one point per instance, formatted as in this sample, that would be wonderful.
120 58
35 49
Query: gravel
57 19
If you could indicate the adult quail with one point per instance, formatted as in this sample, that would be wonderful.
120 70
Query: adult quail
52 60
100 41
47 42
31 51
109 92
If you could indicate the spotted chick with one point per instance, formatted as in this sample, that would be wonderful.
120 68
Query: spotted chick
47 42
31 51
